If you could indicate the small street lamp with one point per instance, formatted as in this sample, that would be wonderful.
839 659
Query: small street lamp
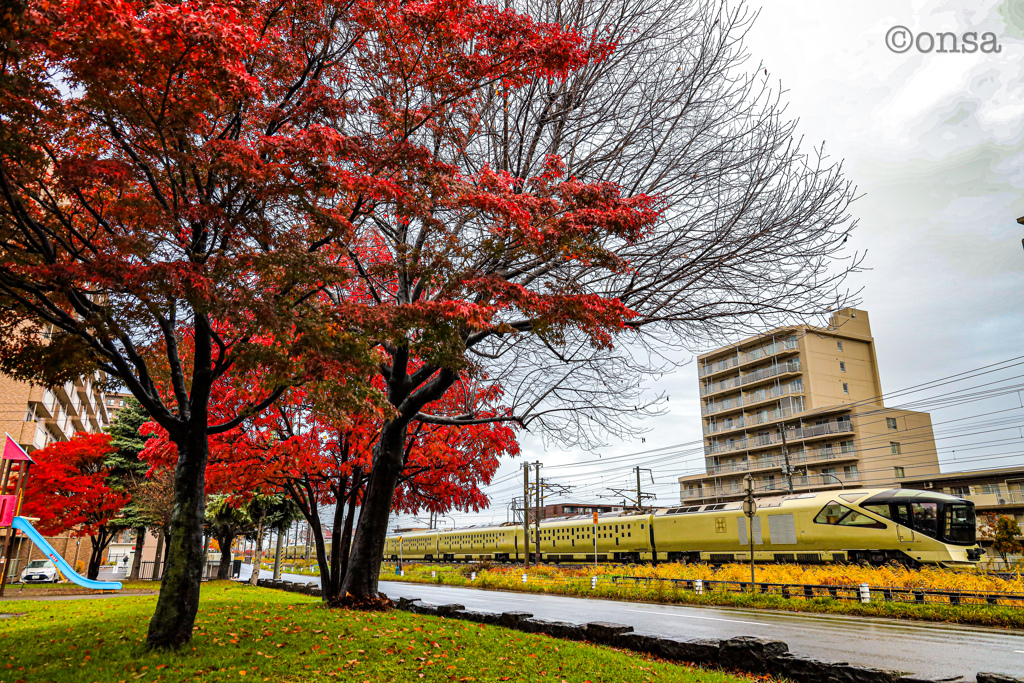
838 480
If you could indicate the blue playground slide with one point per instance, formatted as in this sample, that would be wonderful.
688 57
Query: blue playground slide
25 527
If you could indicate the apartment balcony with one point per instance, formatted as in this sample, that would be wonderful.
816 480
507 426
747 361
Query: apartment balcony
718 387
724 426
774 438
761 352
61 421
718 366
40 439
822 455
68 397
770 371
780 485
722 406
771 393
823 429
994 500
766 416
47 405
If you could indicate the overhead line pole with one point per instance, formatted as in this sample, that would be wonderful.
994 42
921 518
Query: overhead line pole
536 519
526 514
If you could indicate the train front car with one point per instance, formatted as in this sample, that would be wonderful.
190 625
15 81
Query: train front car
859 525
931 528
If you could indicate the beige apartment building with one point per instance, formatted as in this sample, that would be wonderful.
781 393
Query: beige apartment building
35 416
809 398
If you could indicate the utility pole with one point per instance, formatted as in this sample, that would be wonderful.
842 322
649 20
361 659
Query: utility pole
536 519
639 496
785 455
526 514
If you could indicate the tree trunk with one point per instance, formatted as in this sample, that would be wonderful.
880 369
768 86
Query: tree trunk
96 556
257 556
224 568
344 543
278 552
159 554
140 541
363 572
171 626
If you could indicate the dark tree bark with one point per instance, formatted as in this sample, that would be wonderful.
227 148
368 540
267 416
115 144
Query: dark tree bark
99 543
171 625
363 567
140 542
224 540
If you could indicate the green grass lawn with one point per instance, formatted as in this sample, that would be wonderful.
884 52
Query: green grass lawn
257 634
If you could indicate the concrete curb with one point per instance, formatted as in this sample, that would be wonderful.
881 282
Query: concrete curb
743 653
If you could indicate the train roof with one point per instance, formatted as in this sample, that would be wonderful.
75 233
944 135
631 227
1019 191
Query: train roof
848 495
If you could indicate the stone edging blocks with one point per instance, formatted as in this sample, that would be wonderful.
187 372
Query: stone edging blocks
744 653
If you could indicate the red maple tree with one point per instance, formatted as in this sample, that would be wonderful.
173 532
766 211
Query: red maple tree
67 491
229 169
323 458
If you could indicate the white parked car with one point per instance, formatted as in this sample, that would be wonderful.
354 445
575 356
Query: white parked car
40 571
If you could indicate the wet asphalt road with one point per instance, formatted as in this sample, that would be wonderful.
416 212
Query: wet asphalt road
931 650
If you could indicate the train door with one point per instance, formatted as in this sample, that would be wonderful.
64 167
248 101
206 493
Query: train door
904 525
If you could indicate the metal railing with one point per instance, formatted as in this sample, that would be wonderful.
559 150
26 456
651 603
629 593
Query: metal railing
754 354
770 371
728 404
864 593
149 571
724 425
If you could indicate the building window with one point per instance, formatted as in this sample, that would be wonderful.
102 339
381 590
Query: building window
894 446
839 345
898 471
960 491
990 488
846 447
30 414
850 471
842 366
846 388
110 402
890 422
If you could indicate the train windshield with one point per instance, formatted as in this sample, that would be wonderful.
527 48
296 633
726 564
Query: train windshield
959 524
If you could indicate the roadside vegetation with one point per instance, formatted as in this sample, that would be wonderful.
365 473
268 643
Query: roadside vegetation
662 583
245 633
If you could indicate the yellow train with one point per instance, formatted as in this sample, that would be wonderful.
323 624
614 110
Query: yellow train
860 525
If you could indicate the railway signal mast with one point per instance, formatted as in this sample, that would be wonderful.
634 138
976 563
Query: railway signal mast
749 509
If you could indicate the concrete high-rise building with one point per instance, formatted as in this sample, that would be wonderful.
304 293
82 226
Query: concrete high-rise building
810 398
115 401
36 417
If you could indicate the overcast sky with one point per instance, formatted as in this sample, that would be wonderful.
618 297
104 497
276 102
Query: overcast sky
934 144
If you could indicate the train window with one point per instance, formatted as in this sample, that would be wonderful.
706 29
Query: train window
854 518
926 518
830 514
836 513
882 510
